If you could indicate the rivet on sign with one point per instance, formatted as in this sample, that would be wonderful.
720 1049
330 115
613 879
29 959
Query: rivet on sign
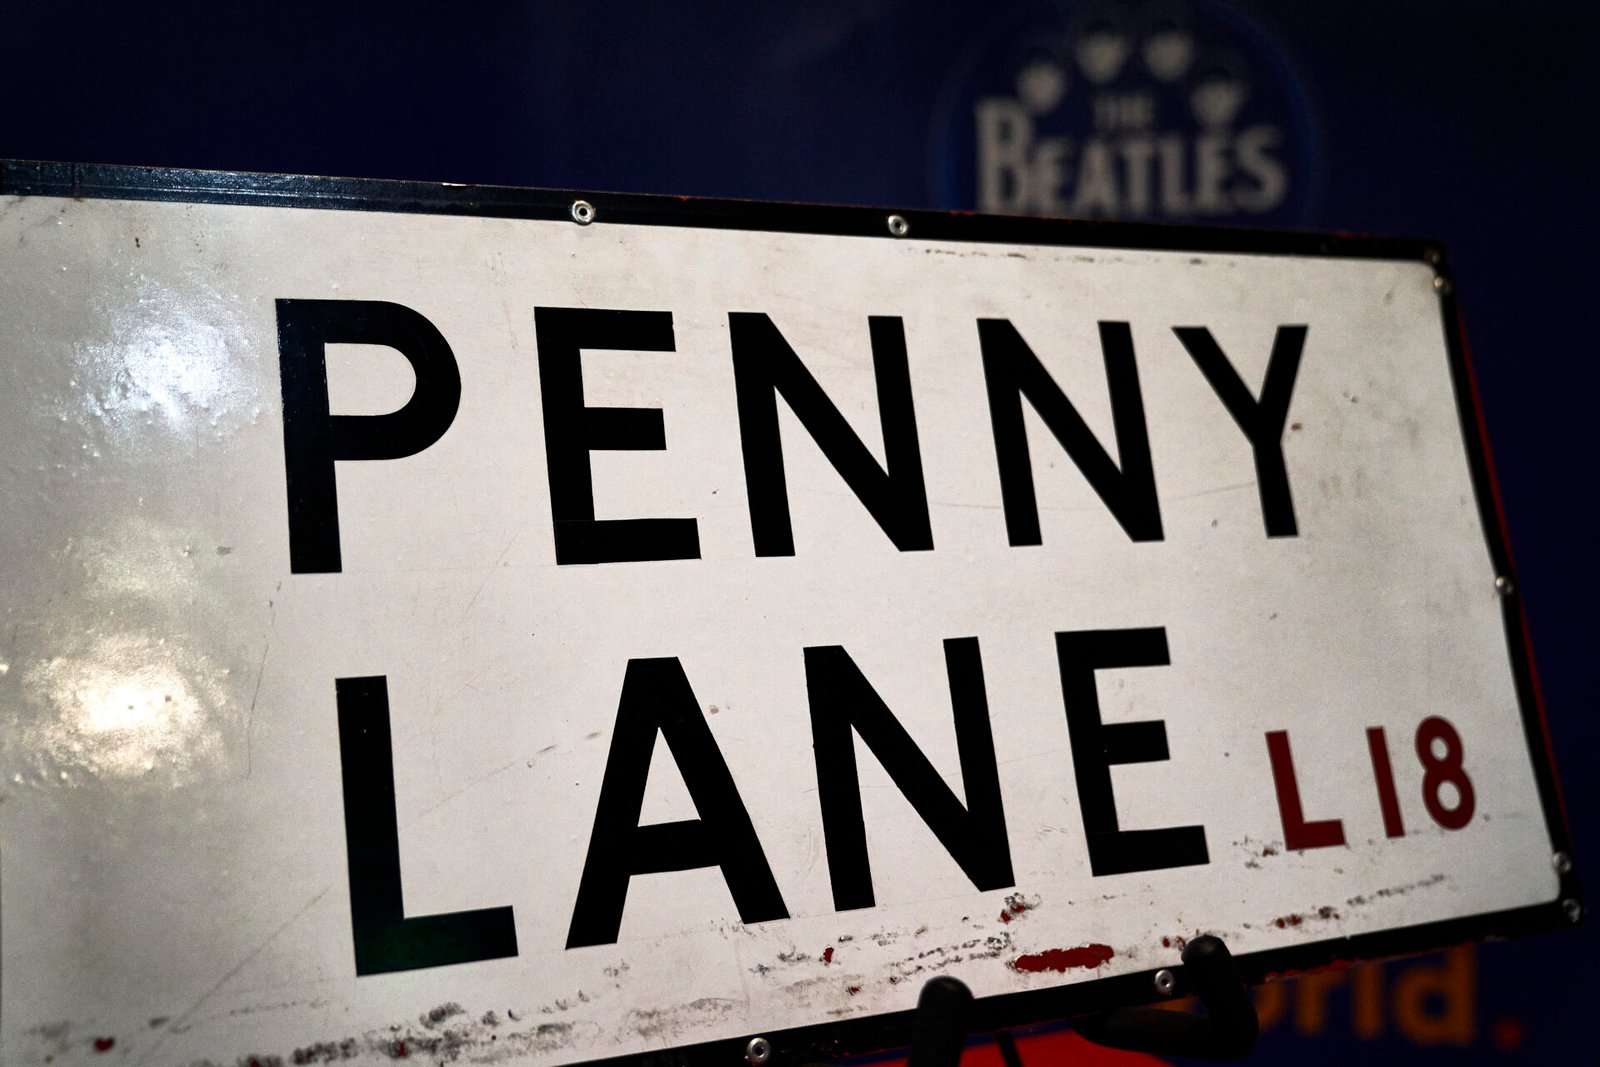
1503 586
758 1051
1573 909
582 212
1562 862
1441 283
1166 982
898 226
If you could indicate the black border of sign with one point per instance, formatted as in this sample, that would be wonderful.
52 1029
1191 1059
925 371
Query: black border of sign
847 1037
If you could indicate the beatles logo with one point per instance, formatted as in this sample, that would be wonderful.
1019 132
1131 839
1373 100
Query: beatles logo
1172 112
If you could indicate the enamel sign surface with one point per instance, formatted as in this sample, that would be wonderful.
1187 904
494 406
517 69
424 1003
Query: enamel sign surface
446 629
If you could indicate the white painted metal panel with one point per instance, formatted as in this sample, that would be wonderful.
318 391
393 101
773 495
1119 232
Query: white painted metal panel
173 867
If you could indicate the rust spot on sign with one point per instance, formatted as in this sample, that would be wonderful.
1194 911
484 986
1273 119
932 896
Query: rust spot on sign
1063 959
104 1044
1017 905
827 955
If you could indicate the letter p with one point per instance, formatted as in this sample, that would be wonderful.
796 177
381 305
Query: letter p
314 439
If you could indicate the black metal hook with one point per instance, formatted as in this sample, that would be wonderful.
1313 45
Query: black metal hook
943 1011
1227 1031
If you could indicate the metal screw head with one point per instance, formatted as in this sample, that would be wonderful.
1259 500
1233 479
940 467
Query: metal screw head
1166 982
1573 909
898 226
1441 283
758 1051
582 212
1503 585
1562 862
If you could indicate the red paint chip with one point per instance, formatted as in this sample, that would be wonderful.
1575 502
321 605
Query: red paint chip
1062 959
104 1044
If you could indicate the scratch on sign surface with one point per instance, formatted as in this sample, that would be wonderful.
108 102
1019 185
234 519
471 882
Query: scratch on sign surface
241 965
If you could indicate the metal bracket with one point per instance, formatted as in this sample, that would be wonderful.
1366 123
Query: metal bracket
940 1034
1227 1031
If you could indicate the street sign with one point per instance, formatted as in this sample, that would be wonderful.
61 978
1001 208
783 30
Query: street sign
506 626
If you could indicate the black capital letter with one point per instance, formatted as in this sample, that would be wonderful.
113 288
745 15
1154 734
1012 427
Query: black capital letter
572 431
1011 371
385 939
763 366
656 696
313 439
1099 746
842 698
1261 420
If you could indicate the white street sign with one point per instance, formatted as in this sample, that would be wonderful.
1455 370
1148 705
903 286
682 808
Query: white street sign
1013 611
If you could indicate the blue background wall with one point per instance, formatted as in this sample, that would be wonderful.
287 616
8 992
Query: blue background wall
1472 121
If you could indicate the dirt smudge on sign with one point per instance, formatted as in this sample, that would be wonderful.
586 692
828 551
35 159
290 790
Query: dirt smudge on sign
321 1052
1016 906
446 1034
939 957
1256 850
1321 913
438 1015
1395 891
657 1022
794 956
